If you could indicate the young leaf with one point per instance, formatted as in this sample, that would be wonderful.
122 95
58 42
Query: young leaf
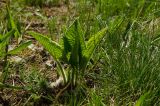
5 38
12 23
71 33
142 99
91 45
73 43
20 48
7 35
74 58
52 47
3 41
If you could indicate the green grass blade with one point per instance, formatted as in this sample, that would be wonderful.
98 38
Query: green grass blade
10 86
5 38
155 39
12 23
7 35
141 99
20 48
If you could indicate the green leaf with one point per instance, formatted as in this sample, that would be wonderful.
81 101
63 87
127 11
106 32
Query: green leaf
12 23
20 48
74 58
52 47
142 99
3 42
75 54
5 38
2 54
73 44
1 37
91 44
70 35
7 35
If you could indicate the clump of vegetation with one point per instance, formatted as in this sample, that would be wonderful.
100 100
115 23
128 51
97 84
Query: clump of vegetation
73 51
80 66
4 42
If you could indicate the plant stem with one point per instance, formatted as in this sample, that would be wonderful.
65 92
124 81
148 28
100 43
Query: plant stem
10 86
5 65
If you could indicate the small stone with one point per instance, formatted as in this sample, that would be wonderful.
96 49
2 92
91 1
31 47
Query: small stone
16 59
57 83
32 47
49 63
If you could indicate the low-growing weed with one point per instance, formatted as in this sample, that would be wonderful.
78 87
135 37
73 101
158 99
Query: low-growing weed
72 50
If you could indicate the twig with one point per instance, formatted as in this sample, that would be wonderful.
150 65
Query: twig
61 91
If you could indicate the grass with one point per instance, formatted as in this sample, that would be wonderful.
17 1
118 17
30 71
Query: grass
134 71
124 68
